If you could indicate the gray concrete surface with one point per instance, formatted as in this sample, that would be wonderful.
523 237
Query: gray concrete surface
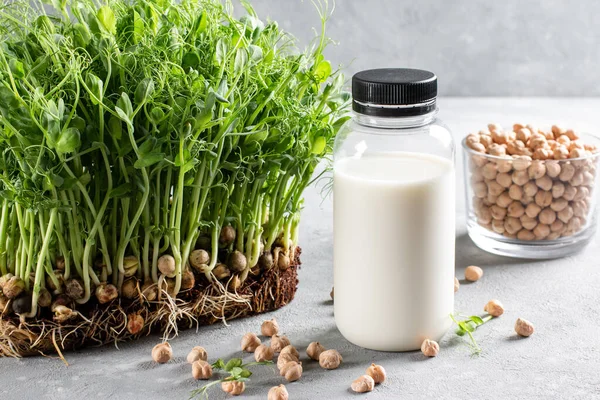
561 360
477 47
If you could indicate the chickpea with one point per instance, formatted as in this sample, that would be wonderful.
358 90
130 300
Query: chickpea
515 192
527 199
557 130
472 138
489 171
559 204
530 189
552 169
558 189
523 134
566 214
270 327
541 231
524 234
377 372
484 215
537 141
494 128
480 189
547 216
571 134
201 370
498 213
314 350
521 163
577 179
363 384
456 284
291 371
567 172
512 225
528 222
543 198
588 178
504 180
496 150
533 210
579 209
498 226
575 224
494 308
541 153
563 140
520 177
279 342
473 273
263 353
494 188
430 348
517 127
330 359
590 147
197 353
523 327
515 148
162 353
536 170
544 183
549 135
582 194
557 226
577 152
486 140
499 137
504 165
516 209
478 147
490 200
234 388
250 342
504 200
278 393
576 144
553 236
570 192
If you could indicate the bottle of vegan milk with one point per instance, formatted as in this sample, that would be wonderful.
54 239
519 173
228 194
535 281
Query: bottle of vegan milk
394 214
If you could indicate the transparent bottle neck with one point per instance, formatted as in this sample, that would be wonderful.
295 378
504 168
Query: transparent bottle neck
395 122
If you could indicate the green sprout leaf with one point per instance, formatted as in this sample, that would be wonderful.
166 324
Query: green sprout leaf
107 19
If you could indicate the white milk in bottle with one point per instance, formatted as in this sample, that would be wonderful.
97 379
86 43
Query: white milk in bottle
394 214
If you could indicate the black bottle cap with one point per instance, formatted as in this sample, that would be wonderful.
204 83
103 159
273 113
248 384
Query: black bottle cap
394 92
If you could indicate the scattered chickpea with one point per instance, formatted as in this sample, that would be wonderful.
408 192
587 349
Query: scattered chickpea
330 359
291 371
494 308
314 350
201 370
278 393
250 342
162 353
456 285
197 353
430 348
473 273
270 327
263 353
363 384
284 358
331 294
289 349
279 342
234 388
377 372
523 327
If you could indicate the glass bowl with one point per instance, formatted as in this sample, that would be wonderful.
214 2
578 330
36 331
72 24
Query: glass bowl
537 209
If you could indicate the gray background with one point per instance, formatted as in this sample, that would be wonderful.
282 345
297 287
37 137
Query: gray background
476 47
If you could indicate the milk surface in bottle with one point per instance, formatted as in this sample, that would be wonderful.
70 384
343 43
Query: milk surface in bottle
394 214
